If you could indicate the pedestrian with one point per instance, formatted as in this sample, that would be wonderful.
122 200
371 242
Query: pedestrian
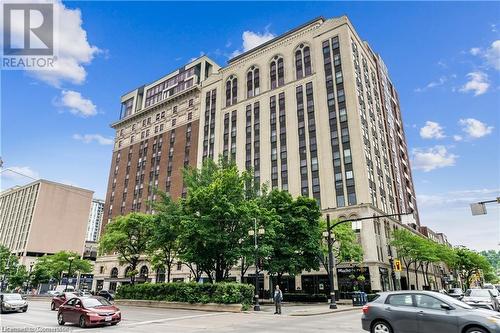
278 298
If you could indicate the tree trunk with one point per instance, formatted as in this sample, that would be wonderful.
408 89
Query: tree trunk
169 270
407 267
426 275
417 266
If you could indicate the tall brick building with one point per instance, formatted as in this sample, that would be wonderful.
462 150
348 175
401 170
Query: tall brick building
312 112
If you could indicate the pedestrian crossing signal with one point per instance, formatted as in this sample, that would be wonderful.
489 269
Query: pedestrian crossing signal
397 265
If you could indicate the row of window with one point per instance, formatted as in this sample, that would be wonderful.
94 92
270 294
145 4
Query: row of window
303 68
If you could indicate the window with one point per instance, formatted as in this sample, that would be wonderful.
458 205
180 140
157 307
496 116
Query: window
253 84
191 102
231 90
179 265
428 302
114 272
400 300
302 61
277 72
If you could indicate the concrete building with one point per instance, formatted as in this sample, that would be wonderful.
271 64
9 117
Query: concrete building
312 112
95 220
43 217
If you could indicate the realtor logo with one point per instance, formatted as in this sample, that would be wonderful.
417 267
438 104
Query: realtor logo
28 29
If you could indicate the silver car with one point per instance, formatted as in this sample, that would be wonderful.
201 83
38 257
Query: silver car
425 312
12 303
481 298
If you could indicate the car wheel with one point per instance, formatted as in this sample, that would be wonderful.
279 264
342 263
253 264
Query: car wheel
381 327
475 330
53 306
81 322
113 324
25 309
60 319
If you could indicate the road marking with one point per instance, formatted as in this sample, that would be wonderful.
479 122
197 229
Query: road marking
4 320
158 321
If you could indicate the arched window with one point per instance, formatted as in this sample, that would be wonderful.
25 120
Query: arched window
144 271
302 61
253 84
114 272
160 274
277 72
127 271
231 90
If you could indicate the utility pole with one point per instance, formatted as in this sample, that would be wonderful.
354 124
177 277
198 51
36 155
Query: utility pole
331 258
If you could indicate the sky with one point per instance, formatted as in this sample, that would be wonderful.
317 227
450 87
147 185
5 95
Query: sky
444 59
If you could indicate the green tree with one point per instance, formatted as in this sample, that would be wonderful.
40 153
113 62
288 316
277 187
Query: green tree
11 272
128 236
164 245
345 246
406 244
297 234
469 263
218 213
494 259
19 278
53 266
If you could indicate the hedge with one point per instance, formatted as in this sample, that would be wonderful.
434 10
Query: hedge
222 293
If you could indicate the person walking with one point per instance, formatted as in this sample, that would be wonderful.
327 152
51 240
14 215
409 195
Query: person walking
278 298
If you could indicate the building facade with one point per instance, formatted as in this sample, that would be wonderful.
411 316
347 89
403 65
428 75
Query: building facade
44 217
312 112
95 220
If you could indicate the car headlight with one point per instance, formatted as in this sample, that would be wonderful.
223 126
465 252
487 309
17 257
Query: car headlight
92 314
118 313
7 305
494 319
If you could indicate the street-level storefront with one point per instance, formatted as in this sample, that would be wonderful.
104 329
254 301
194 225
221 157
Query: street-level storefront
350 279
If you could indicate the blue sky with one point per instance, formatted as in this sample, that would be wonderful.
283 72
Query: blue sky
444 59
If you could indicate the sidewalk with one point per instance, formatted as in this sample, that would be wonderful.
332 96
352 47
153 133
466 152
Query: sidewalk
293 309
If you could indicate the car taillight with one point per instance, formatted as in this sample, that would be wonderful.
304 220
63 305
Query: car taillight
365 309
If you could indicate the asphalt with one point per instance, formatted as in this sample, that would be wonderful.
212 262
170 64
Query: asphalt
39 318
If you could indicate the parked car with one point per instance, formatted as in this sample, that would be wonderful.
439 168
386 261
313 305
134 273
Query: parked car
108 295
53 293
481 298
12 303
88 311
456 292
58 300
425 312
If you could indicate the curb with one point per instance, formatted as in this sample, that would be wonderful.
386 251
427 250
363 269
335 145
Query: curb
211 307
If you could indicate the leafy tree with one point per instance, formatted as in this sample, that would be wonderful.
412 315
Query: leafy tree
296 243
217 216
19 277
494 259
11 272
53 266
469 263
164 245
128 236
406 245
345 246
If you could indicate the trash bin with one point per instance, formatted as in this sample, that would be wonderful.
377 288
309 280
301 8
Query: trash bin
359 298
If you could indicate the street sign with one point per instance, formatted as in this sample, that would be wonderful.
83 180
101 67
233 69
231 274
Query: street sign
478 208
397 265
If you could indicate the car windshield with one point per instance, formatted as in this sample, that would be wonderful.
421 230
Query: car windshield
494 292
94 302
478 293
12 297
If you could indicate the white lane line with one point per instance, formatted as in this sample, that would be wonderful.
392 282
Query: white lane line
158 321
4 321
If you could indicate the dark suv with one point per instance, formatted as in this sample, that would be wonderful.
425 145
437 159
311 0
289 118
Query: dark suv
108 295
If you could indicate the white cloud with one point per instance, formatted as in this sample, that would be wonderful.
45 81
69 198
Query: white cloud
492 55
432 158
433 84
19 173
432 130
475 51
474 128
457 137
454 198
71 46
89 138
76 104
478 83
253 39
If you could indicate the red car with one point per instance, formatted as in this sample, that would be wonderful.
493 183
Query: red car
60 299
88 311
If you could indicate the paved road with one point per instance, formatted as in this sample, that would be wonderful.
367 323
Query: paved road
148 320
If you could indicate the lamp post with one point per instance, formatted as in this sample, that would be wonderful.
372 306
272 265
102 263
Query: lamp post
331 264
255 233
331 261
28 283
391 263
69 272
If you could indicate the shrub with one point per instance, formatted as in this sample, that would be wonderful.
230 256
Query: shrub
222 293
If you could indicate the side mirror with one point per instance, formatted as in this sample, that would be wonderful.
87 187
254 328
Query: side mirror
445 306
461 297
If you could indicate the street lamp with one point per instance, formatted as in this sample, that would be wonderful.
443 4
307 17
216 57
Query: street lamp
69 272
255 233
331 258
479 208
